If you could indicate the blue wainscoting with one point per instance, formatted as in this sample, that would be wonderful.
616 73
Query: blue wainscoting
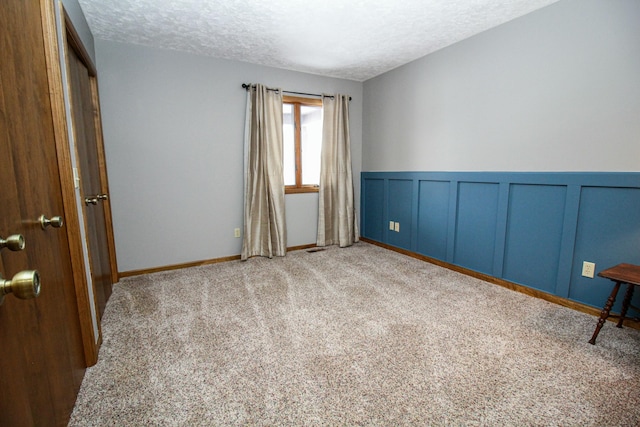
534 229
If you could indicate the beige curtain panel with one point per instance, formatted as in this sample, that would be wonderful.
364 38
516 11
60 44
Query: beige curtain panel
264 214
337 223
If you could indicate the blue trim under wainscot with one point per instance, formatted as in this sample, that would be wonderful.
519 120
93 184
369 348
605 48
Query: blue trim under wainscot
530 228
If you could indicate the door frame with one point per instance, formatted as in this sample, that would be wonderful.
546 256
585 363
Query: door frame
57 26
87 141
73 40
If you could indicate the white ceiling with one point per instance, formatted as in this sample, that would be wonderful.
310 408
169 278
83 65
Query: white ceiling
350 39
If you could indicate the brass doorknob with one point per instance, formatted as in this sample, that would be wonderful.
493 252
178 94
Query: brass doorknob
104 196
90 201
55 222
14 242
24 285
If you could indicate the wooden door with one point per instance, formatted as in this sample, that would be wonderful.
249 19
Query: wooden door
42 361
92 169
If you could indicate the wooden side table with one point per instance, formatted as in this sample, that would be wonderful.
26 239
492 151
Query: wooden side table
621 273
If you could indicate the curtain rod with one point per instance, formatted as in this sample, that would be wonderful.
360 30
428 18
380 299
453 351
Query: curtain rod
246 86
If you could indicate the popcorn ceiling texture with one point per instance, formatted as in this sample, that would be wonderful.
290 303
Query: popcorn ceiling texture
354 40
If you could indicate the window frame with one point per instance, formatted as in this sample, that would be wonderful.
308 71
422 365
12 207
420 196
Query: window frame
297 102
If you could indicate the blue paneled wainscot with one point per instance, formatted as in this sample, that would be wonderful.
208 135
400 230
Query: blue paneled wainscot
533 229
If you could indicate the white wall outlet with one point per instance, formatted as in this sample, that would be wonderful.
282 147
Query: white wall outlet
588 269
392 225
397 227
236 232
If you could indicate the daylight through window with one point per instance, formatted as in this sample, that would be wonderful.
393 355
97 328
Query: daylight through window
302 134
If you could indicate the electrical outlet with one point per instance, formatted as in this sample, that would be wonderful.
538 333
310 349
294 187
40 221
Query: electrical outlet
588 269
392 225
397 227
236 232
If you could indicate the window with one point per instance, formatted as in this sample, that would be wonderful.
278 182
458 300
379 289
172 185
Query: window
302 137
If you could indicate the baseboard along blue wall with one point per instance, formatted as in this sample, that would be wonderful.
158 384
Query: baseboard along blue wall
530 228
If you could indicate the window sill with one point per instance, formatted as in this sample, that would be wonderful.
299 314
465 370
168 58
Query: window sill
298 190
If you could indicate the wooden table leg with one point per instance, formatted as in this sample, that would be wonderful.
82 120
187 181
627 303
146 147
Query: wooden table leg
625 304
605 312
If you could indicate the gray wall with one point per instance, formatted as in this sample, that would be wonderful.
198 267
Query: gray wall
555 90
173 128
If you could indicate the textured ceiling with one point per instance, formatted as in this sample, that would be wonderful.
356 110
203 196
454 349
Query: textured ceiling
350 39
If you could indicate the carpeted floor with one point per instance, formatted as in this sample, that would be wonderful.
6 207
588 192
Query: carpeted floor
355 336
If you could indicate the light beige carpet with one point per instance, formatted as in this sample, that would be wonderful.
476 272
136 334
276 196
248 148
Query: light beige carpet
355 336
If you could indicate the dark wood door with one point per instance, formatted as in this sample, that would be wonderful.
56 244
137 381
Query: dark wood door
42 361
85 114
